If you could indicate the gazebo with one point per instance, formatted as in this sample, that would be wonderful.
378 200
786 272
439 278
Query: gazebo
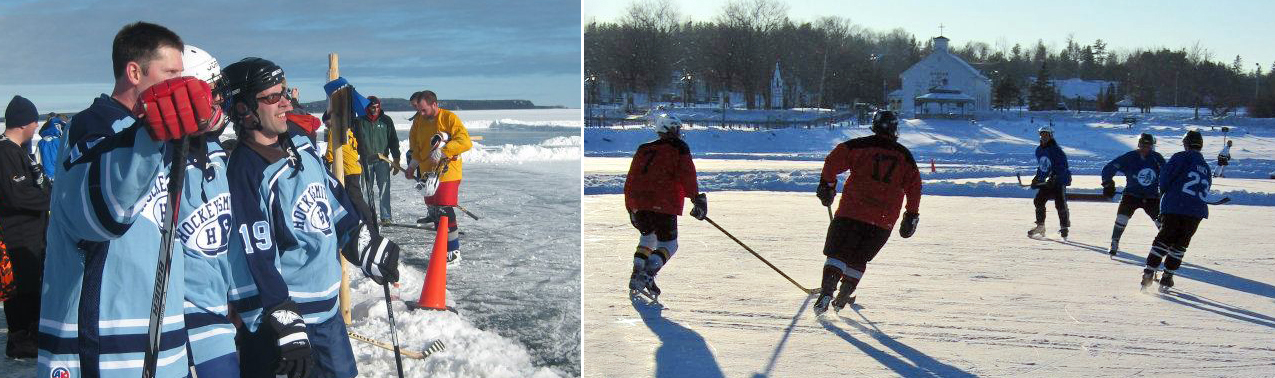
950 102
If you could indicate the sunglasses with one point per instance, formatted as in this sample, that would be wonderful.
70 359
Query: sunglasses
274 98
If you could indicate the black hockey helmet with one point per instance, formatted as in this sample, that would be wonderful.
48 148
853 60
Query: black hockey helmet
1193 140
885 122
242 80
1146 139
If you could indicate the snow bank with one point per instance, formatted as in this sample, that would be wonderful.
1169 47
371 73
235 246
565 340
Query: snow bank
1089 139
514 119
552 149
470 352
807 180
513 124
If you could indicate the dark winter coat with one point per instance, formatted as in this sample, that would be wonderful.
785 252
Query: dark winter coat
376 138
1185 183
1052 162
1141 174
24 198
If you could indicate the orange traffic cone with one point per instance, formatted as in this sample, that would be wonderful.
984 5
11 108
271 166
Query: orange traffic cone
932 168
434 293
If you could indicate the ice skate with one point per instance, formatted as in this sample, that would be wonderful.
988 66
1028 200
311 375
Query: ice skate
1115 247
1166 282
453 256
1063 233
821 304
843 299
1147 278
1036 232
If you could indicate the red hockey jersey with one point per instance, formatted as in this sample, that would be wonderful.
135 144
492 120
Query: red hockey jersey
660 175
882 171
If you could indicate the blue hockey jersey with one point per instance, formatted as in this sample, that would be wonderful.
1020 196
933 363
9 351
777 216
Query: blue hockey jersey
203 230
1142 175
103 243
1185 183
1051 161
291 217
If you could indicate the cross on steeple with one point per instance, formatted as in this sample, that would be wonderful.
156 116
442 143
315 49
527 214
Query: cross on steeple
940 30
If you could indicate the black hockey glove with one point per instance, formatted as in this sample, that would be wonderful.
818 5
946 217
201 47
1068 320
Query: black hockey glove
375 255
826 192
295 359
700 211
908 227
1108 189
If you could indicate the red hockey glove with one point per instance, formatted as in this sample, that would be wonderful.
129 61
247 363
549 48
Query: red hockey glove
177 107
307 122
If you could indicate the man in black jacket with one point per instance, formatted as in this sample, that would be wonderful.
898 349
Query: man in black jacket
24 214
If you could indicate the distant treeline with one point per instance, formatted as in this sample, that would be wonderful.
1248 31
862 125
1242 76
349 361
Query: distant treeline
738 49
402 105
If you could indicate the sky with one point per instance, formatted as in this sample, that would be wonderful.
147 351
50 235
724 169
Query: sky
57 52
1226 27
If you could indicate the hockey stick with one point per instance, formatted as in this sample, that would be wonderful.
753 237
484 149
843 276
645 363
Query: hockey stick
750 250
434 347
1222 201
176 179
1020 180
389 311
471 215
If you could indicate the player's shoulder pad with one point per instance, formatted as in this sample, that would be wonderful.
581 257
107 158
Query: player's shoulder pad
680 145
873 141
96 119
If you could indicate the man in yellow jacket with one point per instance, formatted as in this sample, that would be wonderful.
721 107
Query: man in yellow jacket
437 139
353 174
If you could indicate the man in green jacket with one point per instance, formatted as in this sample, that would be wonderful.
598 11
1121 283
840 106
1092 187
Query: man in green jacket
378 152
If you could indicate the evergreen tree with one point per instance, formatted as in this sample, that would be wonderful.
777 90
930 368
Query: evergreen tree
1006 93
1041 94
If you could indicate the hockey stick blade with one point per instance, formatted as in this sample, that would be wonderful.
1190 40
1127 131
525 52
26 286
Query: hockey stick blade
434 347
1222 201
471 215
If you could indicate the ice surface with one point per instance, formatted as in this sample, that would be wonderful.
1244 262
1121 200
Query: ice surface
968 295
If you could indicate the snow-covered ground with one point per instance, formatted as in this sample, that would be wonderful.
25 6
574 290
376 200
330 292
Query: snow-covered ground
968 295
517 289
969 157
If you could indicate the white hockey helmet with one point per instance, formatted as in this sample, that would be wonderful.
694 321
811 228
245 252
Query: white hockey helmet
667 123
1046 129
200 64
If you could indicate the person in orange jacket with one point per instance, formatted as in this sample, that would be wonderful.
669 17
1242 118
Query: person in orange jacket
437 139
660 176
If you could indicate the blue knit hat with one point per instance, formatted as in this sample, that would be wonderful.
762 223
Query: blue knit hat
21 112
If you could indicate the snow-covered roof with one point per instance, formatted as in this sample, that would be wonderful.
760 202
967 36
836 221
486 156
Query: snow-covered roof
1078 88
941 55
944 96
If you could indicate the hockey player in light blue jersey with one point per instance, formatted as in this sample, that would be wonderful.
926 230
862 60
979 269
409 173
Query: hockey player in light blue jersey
291 217
203 231
104 231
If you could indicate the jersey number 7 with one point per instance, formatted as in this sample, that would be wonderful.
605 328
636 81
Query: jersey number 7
876 167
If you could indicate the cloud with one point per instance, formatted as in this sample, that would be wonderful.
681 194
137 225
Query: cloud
60 42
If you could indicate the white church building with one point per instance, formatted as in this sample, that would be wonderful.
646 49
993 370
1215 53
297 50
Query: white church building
942 85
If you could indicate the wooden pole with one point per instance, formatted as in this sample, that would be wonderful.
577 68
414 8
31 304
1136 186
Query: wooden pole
338 126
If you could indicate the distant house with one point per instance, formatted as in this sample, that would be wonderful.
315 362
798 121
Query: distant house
942 84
